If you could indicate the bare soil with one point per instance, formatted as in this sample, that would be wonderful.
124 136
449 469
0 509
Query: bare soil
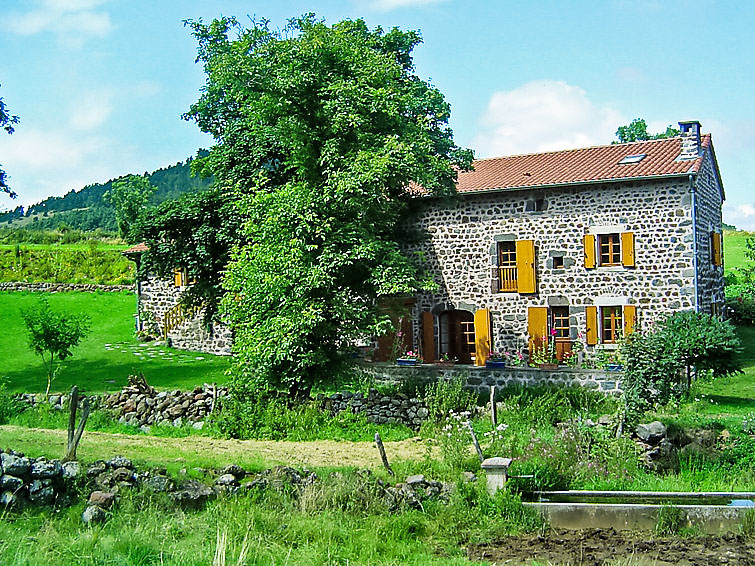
597 547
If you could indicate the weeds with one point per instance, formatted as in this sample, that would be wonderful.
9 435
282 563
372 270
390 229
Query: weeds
670 520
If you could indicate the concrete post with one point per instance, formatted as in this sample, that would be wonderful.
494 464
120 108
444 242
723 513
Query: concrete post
496 471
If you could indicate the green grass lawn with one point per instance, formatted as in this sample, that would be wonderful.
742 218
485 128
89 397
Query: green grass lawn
78 246
104 360
734 249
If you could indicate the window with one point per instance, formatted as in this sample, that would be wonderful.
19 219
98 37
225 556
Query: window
535 204
610 324
632 159
560 322
507 282
558 262
609 247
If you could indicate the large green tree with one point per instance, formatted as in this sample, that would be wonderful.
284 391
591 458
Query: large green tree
7 121
322 131
637 130
129 196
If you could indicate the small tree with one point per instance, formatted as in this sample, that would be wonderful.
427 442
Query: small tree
637 130
53 334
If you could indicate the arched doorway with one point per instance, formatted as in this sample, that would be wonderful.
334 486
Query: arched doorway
456 335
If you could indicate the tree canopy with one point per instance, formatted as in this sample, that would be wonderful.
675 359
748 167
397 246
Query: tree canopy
637 130
129 196
321 131
7 121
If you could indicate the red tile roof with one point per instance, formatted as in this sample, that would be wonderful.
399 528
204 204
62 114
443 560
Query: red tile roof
138 248
573 166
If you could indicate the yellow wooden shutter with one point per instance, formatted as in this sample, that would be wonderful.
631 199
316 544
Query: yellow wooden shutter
525 266
482 336
716 242
589 251
428 337
537 327
592 325
178 277
627 249
630 319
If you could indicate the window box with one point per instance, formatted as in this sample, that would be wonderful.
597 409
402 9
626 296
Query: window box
548 366
614 367
499 364
408 362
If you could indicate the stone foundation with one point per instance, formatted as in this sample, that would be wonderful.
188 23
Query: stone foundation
480 379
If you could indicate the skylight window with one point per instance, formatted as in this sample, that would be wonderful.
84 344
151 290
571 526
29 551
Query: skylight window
632 158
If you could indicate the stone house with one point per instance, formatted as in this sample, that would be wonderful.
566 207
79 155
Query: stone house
575 246
160 314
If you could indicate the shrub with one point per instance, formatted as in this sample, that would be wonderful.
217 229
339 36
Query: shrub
9 405
445 396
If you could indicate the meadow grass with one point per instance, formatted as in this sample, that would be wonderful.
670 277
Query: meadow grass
75 263
105 358
734 249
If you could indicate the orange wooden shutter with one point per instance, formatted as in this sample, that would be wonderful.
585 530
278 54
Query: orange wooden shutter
482 336
592 325
428 337
630 319
537 327
716 242
627 249
589 251
525 266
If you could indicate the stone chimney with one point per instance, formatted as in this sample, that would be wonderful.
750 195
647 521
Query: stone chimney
690 132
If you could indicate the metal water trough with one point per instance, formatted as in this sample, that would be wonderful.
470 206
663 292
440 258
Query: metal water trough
710 512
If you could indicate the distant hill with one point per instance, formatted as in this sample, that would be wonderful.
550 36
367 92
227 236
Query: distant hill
86 210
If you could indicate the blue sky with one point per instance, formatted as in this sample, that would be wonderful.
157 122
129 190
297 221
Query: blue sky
100 85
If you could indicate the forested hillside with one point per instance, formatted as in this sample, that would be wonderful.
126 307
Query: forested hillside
86 210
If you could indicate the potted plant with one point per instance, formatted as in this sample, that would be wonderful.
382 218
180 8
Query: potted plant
544 354
411 358
496 360
445 361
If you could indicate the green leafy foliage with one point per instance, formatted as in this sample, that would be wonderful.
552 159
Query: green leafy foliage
443 396
321 130
129 196
637 130
52 335
659 360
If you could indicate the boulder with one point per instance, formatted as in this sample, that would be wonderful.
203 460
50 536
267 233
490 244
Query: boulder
123 475
10 483
41 493
192 495
96 468
651 433
71 470
93 514
15 465
226 480
159 484
235 470
102 499
46 469
120 462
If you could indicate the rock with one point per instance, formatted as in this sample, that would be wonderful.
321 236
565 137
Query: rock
8 499
652 433
605 420
145 429
40 493
226 480
235 470
96 468
123 475
198 425
422 413
159 484
415 480
178 423
193 494
93 514
102 499
10 483
46 469
15 465
120 462
662 458
71 470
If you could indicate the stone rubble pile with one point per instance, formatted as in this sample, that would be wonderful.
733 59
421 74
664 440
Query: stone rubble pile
660 450
144 406
34 481
397 408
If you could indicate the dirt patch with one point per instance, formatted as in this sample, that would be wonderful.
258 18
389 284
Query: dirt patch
597 547
209 452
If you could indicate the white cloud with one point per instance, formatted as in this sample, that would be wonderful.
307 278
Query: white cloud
742 216
91 110
543 115
71 20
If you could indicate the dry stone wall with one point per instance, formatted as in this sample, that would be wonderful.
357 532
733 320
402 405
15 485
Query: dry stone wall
460 250
381 409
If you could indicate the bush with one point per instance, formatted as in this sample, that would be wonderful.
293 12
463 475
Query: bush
741 309
445 396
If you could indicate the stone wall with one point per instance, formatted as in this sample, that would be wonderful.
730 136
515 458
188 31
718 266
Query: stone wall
62 287
156 297
480 379
460 250
36 481
395 409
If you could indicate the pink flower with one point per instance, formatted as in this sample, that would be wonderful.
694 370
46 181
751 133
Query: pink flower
553 332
